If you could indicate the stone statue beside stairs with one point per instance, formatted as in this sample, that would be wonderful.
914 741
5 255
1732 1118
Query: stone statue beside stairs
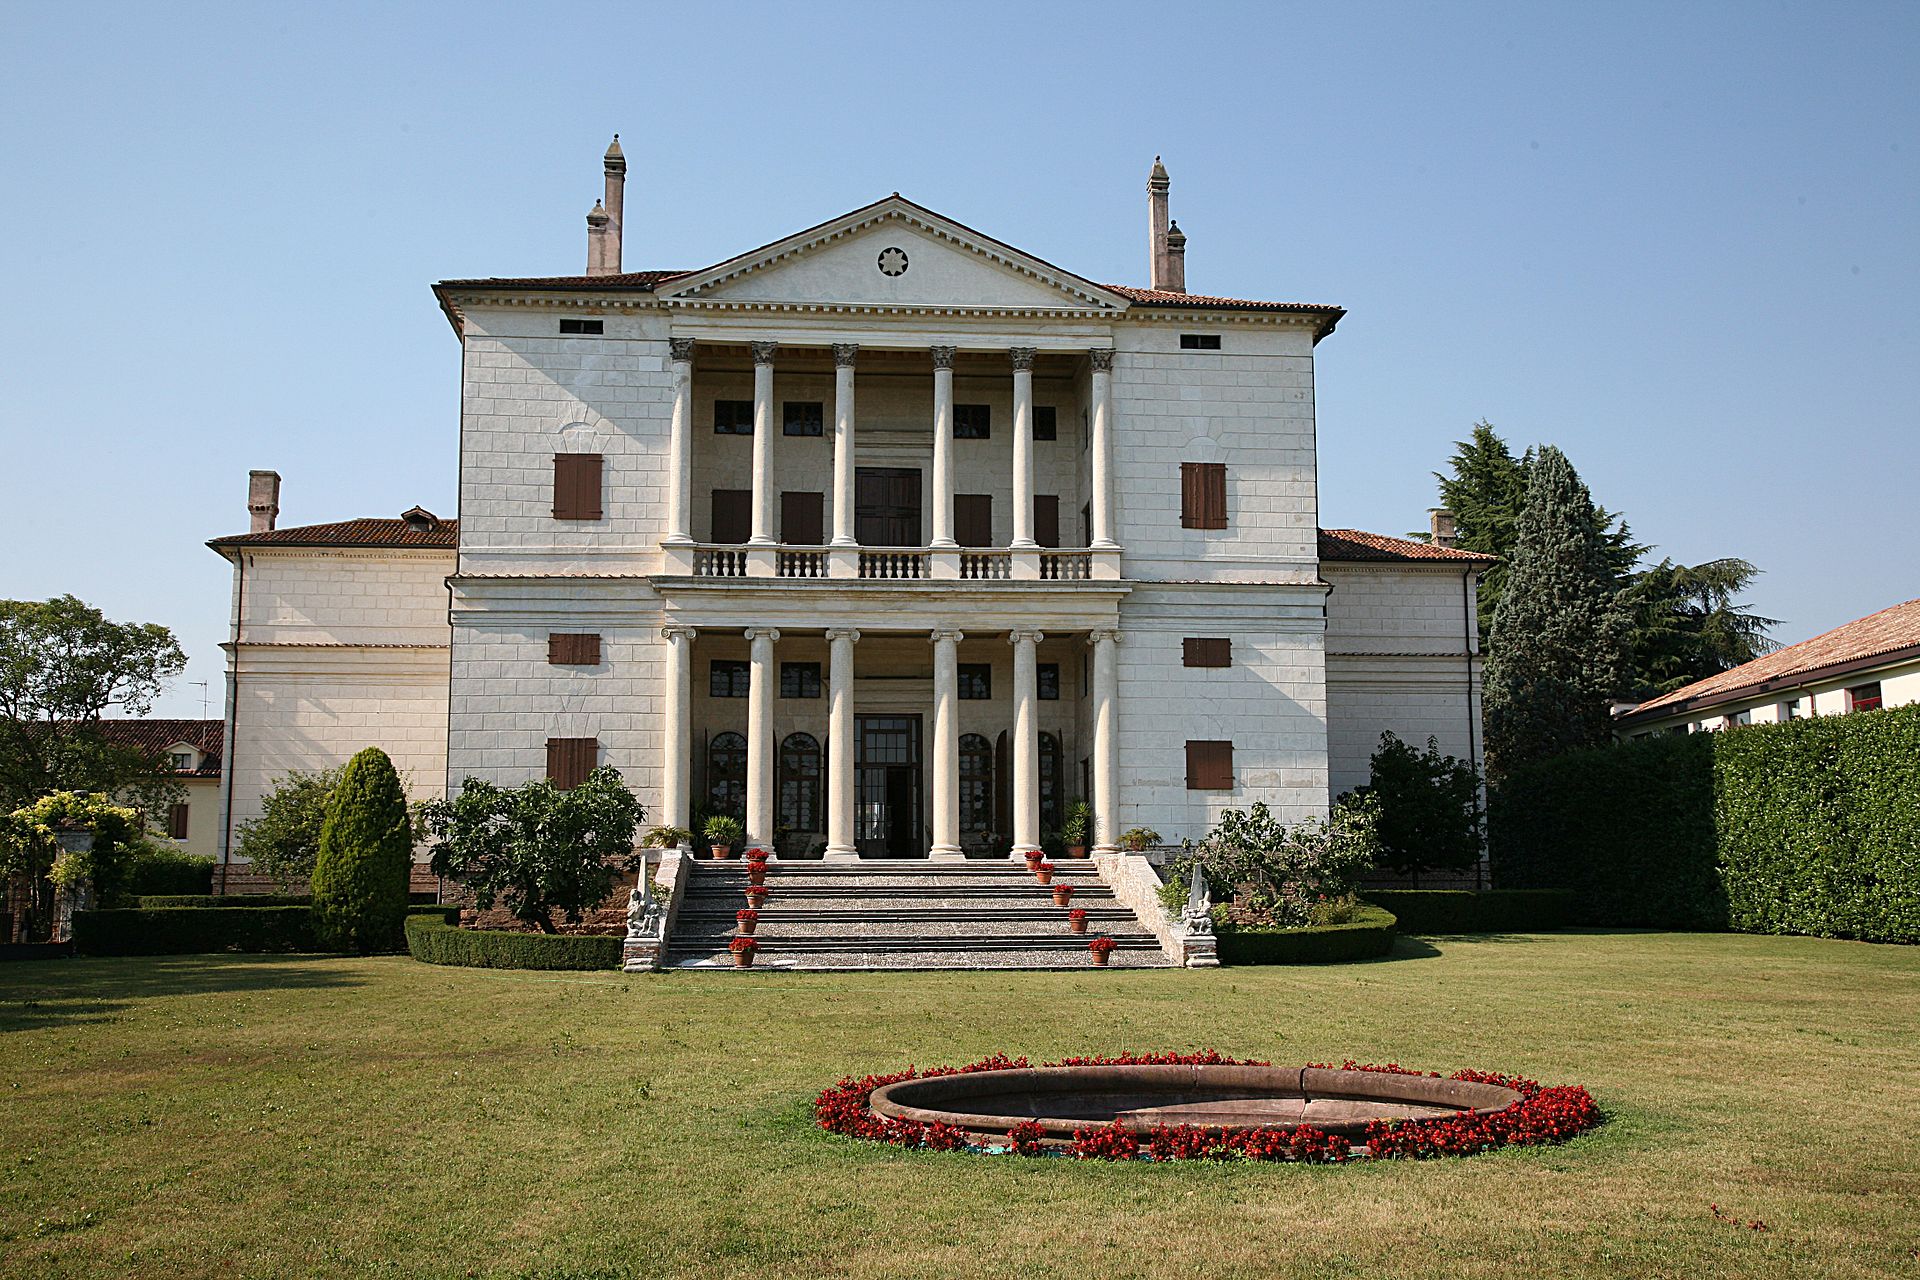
1199 949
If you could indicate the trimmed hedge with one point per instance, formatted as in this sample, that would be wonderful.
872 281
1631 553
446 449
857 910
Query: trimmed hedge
1811 827
168 871
167 931
442 942
1463 911
152 900
1369 935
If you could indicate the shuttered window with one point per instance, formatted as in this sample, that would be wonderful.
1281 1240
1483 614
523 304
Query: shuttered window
573 650
973 519
1046 519
576 486
177 822
1203 495
1209 766
801 521
570 760
732 515
1206 652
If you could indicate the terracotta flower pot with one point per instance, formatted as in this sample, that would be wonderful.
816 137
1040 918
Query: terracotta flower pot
746 927
722 850
1100 957
1077 926
1043 876
756 872
744 959
1076 851
1035 858
1062 894
756 895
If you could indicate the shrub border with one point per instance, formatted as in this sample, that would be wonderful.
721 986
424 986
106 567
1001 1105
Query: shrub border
1366 938
441 941
1544 1115
1429 911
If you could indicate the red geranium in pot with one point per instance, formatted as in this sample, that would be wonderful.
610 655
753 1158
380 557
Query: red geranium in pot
1100 948
1034 858
1062 894
1043 871
743 949
1077 919
756 895
746 921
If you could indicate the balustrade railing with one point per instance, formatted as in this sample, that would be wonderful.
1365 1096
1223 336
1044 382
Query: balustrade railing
895 563
1066 566
991 564
720 562
808 563
892 564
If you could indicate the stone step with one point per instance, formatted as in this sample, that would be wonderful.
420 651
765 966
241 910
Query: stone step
722 961
890 866
1027 941
1037 911
931 898
718 934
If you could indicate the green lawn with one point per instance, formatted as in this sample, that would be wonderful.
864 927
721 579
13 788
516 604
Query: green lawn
270 1116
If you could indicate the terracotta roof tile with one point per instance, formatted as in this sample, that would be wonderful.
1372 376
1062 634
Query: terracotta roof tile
1353 544
444 534
1884 633
158 734
642 280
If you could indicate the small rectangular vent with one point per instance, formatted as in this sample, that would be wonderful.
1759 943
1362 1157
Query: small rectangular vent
1199 342
583 326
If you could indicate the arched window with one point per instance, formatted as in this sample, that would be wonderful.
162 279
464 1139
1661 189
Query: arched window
1051 810
800 782
976 785
727 775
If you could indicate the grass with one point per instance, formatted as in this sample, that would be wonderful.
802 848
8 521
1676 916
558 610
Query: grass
294 1116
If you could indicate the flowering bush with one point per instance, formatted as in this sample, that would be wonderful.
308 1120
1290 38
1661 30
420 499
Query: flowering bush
1543 1115
1274 874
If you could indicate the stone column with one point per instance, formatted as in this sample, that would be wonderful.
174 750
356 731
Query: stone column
840 750
946 744
1022 358
1026 743
1102 448
943 447
1106 736
763 444
762 682
843 456
680 446
675 726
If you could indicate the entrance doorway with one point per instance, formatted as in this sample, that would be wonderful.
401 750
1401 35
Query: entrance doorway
886 502
887 781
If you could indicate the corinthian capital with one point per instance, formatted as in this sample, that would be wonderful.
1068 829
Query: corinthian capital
1022 357
943 357
1102 359
763 352
844 354
682 349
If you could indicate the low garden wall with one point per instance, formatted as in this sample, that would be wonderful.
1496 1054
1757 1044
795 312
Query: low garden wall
436 940
1367 936
163 931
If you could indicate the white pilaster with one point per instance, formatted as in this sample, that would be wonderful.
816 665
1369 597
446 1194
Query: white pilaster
763 444
675 723
1022 358
1026 742
1106 713
1102 448
840 751
943 447
946 744
844 354
761 683
680 448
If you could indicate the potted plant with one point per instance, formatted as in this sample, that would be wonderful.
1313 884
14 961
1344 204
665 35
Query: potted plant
1100 948
756 895
1062 894
667 838
1076 920
746 921
723 833
1138 839
756 866
1034 858
743 949
1043 871
1074 830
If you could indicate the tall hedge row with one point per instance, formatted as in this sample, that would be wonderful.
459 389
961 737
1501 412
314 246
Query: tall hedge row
1810 827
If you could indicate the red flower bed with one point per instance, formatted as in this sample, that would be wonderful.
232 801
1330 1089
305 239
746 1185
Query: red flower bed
1543 1115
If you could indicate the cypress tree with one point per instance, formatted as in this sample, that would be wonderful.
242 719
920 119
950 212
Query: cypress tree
1486 491
366 853
1556 653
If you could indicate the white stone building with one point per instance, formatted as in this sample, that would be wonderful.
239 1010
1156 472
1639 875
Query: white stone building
890 537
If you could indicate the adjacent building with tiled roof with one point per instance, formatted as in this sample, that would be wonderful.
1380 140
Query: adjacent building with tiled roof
1869 663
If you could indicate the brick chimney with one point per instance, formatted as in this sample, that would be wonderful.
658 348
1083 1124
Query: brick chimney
1157 185
263 499
1442 528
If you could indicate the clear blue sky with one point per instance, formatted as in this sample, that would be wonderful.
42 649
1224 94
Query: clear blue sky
1681 242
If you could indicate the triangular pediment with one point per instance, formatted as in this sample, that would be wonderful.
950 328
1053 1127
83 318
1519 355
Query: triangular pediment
893 253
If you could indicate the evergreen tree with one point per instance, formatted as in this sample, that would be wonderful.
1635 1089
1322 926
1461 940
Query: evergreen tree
366 852
1687 624
1558 644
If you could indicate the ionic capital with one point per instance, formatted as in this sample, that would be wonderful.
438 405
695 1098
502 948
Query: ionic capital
762 633
677 631
681 349
946 634
1102 359
943 357
844 354
1022 357
844 633
1024 636
763 352
1107 636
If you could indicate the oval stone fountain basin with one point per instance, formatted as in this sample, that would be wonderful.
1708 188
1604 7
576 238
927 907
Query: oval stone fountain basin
1061 1099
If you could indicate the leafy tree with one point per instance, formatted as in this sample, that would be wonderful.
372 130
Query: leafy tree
535 848
32 861
1429 807
1558 648
63 665
1688 625
366 851
284 840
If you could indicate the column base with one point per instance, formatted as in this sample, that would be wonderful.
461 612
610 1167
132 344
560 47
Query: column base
841 853
944 544
947 853
1100 849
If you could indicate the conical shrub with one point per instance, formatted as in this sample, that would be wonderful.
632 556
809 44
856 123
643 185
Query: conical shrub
366 852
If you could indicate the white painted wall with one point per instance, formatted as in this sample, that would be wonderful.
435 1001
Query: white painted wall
1899 686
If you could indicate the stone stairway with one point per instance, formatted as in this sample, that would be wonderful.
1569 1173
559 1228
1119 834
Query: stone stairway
907 914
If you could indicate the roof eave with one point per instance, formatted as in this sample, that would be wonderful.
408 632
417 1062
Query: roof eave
1772 684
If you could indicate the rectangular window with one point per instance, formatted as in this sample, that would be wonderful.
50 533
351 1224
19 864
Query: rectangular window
1046 681
1046 422
1206 652
973 519
1046 519
576 486
1790 710
177 821
973 422
803 418
728 678
182 761
799 679
976 681
1203 495
570 760
1864 697
583 326
802 519
733 417
1209 766
573 650
732 516
1199 342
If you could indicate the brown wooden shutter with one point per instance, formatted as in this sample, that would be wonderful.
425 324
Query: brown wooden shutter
1203 495
1209 766
576 486
1206 651
571 650
732 515
801 522
570 760
177 821
1046 519
973 519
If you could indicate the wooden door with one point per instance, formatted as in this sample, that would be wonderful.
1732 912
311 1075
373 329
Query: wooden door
1046 519
887 506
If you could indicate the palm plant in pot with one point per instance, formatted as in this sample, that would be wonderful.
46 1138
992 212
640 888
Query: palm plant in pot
667 838
746 921
1139 839
1062 894
743 949
723 833
1101 948
1077 920
1075 829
